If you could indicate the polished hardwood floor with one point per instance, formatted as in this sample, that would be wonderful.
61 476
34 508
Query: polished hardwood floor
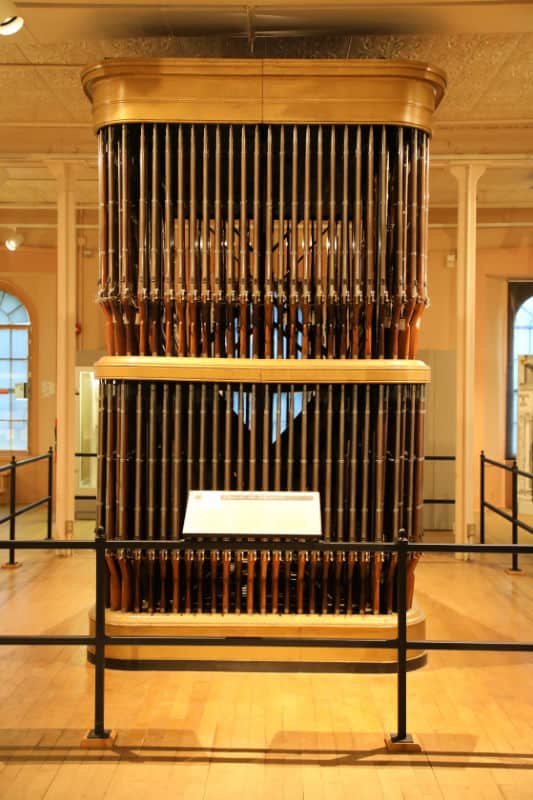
215 735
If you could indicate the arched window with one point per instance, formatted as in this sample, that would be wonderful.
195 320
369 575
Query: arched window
520 344
14 372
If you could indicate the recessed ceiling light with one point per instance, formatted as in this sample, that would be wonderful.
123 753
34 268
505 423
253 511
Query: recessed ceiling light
14 241
11 25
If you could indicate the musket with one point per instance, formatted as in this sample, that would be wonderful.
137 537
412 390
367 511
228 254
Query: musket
201 452
267 433
412 233
103 270
393 560
357 295
306 289
215 438
189 556
228 438
205 294
257 331
112 227
126 276
122 487
177 502
230 294
328 465
332 299
319 259
169 296
345 299
142 277
370 295
326 557
213 559
114 577
290 438
192 298
252 555
287 562
352 510
269 294
420 413
379 495
243 255
348 603
300 576
313 560
238 581
138 496
164 514
263 570
151 490
398 298
277 446
200 559
181 284
155 255
276 560
384 308
422 300
294 299
218 295
364 556
226 562
240 440
281 294
252 456
341 465
339 560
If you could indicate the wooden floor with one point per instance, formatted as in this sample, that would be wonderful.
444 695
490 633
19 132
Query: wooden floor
215 735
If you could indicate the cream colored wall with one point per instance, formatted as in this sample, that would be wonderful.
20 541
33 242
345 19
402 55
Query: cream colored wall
502 255
30 274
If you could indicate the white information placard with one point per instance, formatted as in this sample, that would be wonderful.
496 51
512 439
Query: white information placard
258 514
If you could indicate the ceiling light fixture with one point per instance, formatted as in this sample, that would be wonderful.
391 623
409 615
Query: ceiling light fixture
10 22
14 241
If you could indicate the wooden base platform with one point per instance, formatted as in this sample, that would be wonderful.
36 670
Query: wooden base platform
259 658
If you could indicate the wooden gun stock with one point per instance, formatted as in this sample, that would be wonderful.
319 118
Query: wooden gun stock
300 575
376 582
226 561
114 583
349 581
276 557
126 595
213 558
163 564
137 566
391 570
325 575
250 582
264 557
175 581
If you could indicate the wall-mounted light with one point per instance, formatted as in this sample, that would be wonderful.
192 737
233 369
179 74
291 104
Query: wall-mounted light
10 22
14 241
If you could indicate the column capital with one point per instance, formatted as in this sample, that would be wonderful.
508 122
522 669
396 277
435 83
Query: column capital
466 173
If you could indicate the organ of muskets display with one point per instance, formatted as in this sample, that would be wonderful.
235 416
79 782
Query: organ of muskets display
262 276
184 426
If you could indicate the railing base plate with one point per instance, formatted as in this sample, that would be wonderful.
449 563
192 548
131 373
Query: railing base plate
93 742
407 745
16 565
517 572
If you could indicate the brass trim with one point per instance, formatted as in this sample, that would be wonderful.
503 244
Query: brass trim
366 91
266 370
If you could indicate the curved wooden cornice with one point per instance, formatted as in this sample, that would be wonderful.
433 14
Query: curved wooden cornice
368 91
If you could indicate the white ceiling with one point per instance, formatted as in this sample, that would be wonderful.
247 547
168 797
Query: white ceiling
485 47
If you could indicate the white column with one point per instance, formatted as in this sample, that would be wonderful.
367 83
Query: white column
65 173
467 176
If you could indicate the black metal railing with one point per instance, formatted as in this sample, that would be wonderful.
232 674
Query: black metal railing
15 512
433 501
402 548
513 516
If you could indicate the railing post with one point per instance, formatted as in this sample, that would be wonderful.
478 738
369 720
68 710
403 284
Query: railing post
99 736
482 497
514 562
401 740
12 509
50 490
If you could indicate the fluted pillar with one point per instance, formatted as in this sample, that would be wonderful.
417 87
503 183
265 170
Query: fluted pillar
467 176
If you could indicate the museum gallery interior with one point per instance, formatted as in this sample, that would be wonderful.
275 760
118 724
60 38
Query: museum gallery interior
266 405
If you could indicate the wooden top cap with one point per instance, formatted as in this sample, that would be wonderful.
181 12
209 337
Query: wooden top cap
367 91
261 370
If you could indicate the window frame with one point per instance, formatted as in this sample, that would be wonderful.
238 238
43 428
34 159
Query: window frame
517 294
